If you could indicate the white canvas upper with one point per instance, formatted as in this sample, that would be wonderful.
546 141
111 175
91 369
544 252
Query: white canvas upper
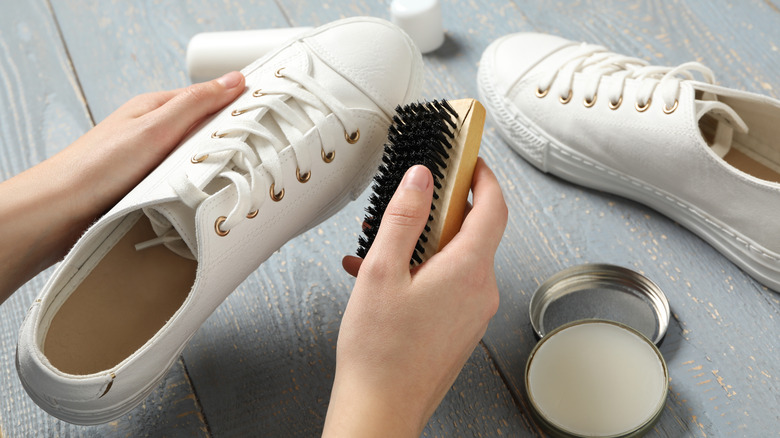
309 97
638 150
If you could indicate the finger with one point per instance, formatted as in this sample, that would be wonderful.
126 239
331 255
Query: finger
143 104
403 220
148 102
486 221
351 264
191 104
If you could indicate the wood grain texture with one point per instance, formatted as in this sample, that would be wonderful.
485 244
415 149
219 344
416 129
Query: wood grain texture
120 49
263 363
554 224
42 110
240 392
273 369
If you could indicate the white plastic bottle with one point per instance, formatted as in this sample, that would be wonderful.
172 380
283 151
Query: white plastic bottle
212 54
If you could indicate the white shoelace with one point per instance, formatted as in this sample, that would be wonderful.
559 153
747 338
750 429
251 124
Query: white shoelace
247 155
596 62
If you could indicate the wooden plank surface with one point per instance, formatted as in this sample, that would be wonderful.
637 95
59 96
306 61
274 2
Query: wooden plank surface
721 347
242 392
263 363
42 110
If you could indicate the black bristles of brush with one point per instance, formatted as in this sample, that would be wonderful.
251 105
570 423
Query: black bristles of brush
421 133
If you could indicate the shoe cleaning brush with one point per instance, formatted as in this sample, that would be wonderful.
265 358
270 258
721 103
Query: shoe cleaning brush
444 137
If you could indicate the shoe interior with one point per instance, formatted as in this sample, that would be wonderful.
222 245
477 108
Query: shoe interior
757 152
125 299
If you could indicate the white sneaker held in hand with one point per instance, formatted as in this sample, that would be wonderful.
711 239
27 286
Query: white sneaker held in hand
303 140
704 155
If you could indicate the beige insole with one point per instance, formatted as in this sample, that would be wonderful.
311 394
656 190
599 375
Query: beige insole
751 166
737 159
119 306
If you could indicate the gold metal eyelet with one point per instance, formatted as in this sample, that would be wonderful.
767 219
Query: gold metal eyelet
644 107
540 93
252 214
215 135
671 110
276 196
352 138
565 100
196 159
258 93
327 157
220 220
615 105
278 73
302 178
238 112
589 103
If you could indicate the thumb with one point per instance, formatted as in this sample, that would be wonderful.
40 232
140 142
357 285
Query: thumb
404 220
191 104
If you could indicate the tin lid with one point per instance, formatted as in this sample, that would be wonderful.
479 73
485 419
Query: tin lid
600 291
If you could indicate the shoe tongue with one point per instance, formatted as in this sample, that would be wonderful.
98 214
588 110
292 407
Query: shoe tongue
717 122
282 129
174 224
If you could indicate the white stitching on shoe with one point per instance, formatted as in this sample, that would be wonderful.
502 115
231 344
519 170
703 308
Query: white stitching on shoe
680 204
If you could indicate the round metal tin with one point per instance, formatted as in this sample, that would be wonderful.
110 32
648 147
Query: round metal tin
600 291
551 426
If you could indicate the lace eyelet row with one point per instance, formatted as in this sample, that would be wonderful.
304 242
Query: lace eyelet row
276 197
256 93
327 157
588 103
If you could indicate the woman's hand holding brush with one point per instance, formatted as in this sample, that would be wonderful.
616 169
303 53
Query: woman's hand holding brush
406 334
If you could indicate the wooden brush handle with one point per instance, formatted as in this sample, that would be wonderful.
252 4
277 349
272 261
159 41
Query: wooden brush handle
460 169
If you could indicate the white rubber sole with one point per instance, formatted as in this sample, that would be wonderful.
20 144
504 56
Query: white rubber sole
96 416
550 156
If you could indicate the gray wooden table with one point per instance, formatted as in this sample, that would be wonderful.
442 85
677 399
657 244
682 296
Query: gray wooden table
262 365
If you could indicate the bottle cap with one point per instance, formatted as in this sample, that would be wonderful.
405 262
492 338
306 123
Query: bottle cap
421 19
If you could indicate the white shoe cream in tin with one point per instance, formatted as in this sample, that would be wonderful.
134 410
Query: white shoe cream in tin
596 370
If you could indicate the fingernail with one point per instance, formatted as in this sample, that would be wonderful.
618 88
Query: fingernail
416 178
230 80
